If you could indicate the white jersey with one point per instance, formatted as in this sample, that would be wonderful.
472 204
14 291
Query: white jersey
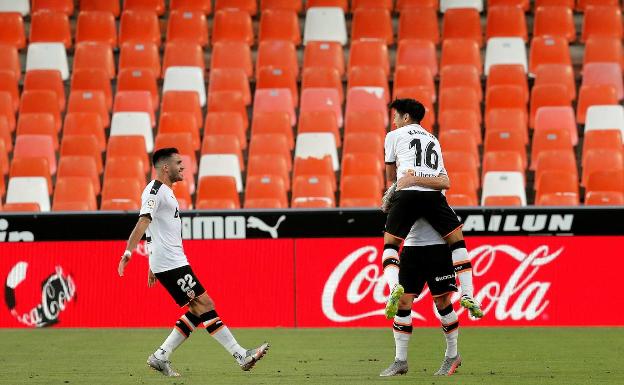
413 148
164 233
422 234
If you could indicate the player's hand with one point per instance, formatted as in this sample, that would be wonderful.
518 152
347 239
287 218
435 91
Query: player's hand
125 258
406 180
151 279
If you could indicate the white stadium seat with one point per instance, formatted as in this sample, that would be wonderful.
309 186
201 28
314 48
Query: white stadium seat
450 4
29 190
133 123
325 24
47 56
186 79
505 50
605 118
221 165
498 184
19 6
317 145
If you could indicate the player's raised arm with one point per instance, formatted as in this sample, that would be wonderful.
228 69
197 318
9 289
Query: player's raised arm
135 237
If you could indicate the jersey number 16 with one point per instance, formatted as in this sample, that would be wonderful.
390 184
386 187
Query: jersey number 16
431 156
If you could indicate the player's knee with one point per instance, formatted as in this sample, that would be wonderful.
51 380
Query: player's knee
202 304
406 301
442 302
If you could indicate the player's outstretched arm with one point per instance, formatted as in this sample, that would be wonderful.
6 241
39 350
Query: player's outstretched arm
440 182
135 237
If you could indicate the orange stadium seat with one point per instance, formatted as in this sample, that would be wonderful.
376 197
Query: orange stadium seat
74 194
232 54
226 123
593 198
557 188
269 77
248 6
556 74
324 54
265 192
85 123
557 117
187 25
223 144
12 27
362 164
5 134
217 192
6 109
358 143
461 51
414 76
459 141
343 4
462 98
603 50
277 54
138 80
4 160
63 6
547 95
508 74
500 161
319 121
89 101
385 4
461 195
602 21
179 122
101 5
267 165
365 122
139 27
279 24
291 5
276 99
140 55
359 99
559 3
548 50
312 191
524 4
372 23
49 26
204 6
137 101
555 161
595 160
121 194
183 54
419 23
506 119
315 167
130 167
79 166
41 101
503 200
369 53
462 23
554 21
369 77
32 166
550 139
506 21
94 55
274 122
38 124
182 194
83 145
602 139
402 5
93 79
505 97
322 77
271 144
157 6
417 52
603 94
122 146
228 101
29 146
182 101
322 99
46 80
604 73
9 60
360 191
608 180
461 120
96 26
232 25
8 84
583 4
461 76
506 141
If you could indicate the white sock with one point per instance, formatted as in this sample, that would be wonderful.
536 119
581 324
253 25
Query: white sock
222 334
463 268
402 330
390 262
450 327
181 331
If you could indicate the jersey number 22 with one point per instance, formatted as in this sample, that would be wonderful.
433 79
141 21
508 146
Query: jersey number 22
186 283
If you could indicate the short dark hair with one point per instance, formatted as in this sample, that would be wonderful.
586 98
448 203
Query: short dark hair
162 154
413 108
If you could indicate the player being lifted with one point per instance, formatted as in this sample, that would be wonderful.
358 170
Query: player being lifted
160 217
411 151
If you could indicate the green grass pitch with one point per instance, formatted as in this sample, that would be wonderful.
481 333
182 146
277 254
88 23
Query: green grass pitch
315 356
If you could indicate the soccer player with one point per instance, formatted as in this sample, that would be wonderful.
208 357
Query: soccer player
412 151
160 217
425 258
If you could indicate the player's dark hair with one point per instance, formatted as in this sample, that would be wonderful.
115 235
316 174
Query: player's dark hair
163 154
413 108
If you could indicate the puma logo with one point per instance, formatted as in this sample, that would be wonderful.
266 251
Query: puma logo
257 223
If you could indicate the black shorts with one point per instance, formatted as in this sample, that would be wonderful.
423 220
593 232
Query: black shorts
431 264
181 283
407 206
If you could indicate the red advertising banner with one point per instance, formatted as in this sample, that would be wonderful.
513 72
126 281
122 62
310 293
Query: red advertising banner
333 282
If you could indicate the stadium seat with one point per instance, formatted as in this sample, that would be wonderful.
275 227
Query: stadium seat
603 50
50 26
180 122
325 25
291 5
402 5
417 52
38 124
228 101
503 184
4 160
319 121
560 3
419 23
12 27
46 80
279 24
9 60
342 4
187 25
602 139
557 189
74 194
459 98
101 5
79 166
28 146
366 122
85 123
41 101
248 6
461 76
603 117
139 56
462 23
89 101
221 165
275 100
47 56
607 180
604 73
369 77
183 101
582 5
217 192
322 99
322 77
96 26
506 119
223 144
554 21
602 21
505 21
416 77
547 95
139 26
133 123
357 143
505 97
28 190
185 79
369 53
227 123
183 54
463 191
275 145
461 120
508 74
557 160
273 78
451 4
121 194
95 80
425 97
232 25
315 167
311 191
21 207
277 54
372 23
15 6
5 136
120 146
317 145
595 161
592 198
363 99
265 192
130 167
592 96
556 74
362 164
384 4
267 165
461 51
500 161
82 145
550 139
136 101
460 141
6 110
231 54
557 117
505 50
31 167
138 80
94 55
322 54
548 50
506 140
360 191
182 194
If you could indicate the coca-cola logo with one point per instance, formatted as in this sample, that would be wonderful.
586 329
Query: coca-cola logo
57 289
356 288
